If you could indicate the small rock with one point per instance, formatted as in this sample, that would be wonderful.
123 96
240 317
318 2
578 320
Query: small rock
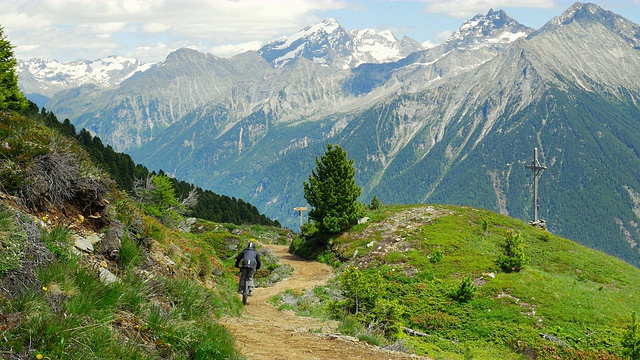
107 277
186 224
94 239
83 244
169 261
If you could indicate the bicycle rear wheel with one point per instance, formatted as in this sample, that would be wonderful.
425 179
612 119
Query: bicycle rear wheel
245 292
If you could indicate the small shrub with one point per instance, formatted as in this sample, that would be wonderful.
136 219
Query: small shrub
349 325
437 256
465 291
389 314
545 236
631 339
361 292
485 225
329 258
467 352
513 257
368 338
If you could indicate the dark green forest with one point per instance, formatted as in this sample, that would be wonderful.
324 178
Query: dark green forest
124 171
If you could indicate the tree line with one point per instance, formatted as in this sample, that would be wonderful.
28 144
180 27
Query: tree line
125 172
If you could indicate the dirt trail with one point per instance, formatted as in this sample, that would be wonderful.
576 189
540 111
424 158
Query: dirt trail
263 332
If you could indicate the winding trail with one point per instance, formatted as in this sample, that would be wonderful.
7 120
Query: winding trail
264 332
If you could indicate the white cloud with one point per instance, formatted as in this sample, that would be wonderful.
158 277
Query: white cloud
443 36
150 53
464 9
62 28
156 27
234 49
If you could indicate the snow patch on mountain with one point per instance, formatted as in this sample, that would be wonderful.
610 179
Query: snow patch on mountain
46 77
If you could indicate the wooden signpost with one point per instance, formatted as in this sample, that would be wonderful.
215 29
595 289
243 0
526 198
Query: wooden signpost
300 209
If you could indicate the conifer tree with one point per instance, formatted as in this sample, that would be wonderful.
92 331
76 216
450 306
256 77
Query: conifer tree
10 96
332 192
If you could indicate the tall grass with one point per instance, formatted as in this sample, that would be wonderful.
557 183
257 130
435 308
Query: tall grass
12 242
75 316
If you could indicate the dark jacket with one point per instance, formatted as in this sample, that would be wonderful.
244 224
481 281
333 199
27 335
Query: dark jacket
248 258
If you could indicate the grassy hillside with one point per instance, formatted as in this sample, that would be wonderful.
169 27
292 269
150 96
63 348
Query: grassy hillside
432 270
142 289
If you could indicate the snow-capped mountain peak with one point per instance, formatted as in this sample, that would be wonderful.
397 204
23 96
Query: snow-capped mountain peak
494 28
49 76
328 43
321 29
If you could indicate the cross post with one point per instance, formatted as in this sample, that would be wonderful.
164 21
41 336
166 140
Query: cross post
537 168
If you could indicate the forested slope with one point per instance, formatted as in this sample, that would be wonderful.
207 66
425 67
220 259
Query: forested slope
125 172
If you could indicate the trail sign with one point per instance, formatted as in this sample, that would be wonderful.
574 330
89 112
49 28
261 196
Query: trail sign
300 209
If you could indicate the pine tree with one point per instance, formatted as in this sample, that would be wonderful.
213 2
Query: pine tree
332 192
10 96
512 257
375 203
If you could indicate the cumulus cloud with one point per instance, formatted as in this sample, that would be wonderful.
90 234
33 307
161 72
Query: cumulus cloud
467 8
39 28
233 49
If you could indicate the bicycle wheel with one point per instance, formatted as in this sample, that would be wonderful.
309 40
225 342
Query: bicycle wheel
245 292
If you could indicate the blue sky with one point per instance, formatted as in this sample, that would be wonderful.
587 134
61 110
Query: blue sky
148 30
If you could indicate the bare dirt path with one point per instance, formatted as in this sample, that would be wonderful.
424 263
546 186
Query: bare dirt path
264 332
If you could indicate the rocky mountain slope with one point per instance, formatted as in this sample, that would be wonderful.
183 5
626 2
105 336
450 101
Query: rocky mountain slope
454 124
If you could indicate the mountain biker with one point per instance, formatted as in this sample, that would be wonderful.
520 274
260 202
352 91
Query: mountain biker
248 261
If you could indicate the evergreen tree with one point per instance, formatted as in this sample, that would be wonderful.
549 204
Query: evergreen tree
332 192
10 96
375 203
512 257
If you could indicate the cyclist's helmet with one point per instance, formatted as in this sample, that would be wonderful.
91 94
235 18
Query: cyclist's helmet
252 246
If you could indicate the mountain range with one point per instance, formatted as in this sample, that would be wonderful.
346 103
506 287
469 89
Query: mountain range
456 123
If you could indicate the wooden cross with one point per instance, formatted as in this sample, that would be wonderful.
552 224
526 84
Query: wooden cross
537 168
